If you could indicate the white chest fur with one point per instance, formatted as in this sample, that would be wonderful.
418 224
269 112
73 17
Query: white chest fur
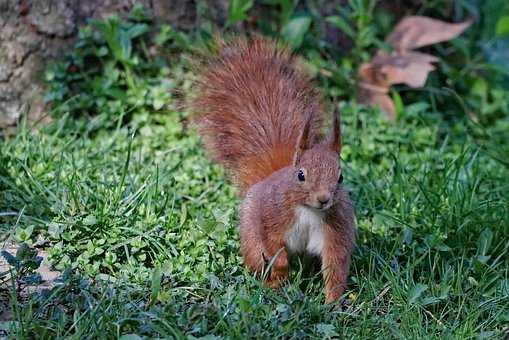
306 234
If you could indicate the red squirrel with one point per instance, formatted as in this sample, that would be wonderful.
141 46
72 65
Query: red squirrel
259 116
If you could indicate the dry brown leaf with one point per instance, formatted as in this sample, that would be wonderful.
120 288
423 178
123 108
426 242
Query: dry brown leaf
403 66
375 95
411 68
382 100
385 70
369 74
417 31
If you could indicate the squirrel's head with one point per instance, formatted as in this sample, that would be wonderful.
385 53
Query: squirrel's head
317 172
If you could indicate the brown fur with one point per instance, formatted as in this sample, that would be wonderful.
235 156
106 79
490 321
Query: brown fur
258 115
253 105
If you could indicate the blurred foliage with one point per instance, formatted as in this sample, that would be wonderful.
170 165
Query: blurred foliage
147 223
115 70
130 68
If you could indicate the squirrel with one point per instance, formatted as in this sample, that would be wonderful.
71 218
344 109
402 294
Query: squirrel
259 116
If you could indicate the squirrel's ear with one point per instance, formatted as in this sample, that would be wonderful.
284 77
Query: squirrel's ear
304 139
335 138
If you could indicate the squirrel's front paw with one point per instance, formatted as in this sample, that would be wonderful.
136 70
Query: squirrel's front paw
333 294
277 277
274 284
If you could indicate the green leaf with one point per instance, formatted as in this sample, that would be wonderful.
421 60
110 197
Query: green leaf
237 10
117 38
408 235
54 229
137 30
90 220
442 247
398 103
158 104
101 51
340 23
327 330
126 46
480 88
287 9
430 300
484 242
131 336
165 33
483 258
24 234
139 13
502 26
293 32
116 93
415 293
156 285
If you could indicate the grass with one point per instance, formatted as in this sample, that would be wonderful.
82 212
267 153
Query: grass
431 259
143 225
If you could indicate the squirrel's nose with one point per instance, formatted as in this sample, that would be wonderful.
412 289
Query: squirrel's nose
323 198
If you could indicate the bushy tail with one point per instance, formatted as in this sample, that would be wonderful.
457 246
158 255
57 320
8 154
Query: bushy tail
252 105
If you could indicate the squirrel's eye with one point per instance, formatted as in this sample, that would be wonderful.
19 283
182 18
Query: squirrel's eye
340 180
300 176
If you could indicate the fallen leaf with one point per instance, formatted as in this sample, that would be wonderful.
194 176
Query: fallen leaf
417 31
375 95
403 66
411 68
385 103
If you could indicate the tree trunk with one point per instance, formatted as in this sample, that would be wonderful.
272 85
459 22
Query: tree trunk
34 32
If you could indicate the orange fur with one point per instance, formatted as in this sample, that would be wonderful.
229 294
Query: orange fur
253 103
258 115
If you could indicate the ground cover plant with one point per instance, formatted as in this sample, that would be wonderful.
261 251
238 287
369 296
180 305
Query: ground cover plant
119 192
